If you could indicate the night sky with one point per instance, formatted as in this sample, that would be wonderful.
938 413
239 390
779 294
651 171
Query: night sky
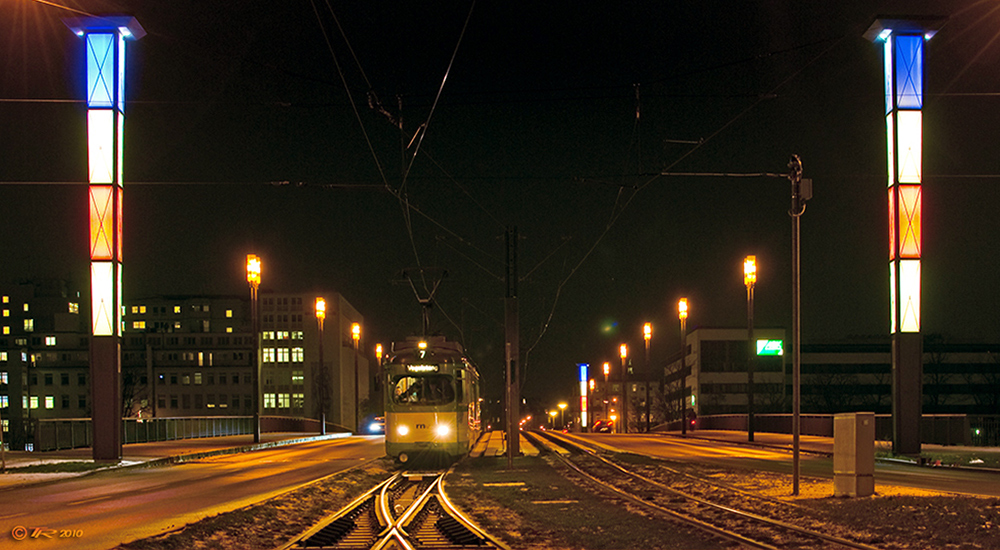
272 127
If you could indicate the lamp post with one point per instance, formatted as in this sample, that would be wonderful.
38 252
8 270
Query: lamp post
321 374
623 351
647 333
903 50
105 38
682 314
749 279
253 278
552 419
356 336
562 415
607 371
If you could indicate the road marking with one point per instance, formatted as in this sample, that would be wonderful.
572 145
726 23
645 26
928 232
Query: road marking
89 500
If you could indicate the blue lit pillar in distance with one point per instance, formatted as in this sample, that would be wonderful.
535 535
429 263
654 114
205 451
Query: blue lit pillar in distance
104 39
583 393
903 42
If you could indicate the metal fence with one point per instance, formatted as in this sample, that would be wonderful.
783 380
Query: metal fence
68 433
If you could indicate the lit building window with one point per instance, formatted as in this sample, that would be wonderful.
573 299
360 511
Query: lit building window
177 325
282 335
139 325
229 313
74 307
229 329
296 335
50 401
6 330
269 401
135 309
197 378
283 355
50 340
25 307
3 355
268 355
6 313
298 378
4 403
298 400
284 400
298 355
33 403
268 335
6 299
29 325
177 309
3 377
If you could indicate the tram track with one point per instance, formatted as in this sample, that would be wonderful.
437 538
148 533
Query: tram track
410 510
748 519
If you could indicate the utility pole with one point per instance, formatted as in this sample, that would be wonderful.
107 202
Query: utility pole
513 346
801 192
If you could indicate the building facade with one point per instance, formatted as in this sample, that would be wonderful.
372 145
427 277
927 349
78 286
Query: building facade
181 356
44 359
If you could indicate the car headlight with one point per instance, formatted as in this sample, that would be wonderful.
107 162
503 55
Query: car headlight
442 430
374 427
403 430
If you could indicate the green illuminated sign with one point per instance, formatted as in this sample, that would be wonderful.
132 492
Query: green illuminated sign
770 347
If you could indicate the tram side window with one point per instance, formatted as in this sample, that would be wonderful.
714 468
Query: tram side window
435 389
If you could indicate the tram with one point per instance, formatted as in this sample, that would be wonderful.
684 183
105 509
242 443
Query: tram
432 402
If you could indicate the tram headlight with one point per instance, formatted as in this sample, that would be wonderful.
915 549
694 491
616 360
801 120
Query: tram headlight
403 430
442 430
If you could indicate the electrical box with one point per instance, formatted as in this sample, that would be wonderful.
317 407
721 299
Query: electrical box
854 454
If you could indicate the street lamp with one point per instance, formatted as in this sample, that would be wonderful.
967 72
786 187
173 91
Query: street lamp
682 313
607 371
623 351
321 374
647 333
253 278
356 336
552 419
750 279
562 414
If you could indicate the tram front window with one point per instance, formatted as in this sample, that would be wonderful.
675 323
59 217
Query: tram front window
434 389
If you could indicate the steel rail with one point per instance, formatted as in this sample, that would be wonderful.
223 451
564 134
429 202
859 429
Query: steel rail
694 478
727 509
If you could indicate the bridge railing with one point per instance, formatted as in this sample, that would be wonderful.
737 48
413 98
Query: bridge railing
52 434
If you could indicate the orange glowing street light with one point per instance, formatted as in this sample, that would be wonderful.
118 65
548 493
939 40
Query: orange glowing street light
321 376
253 270
378 353
682 314
253 277
623 351
356 336
750 279
750 271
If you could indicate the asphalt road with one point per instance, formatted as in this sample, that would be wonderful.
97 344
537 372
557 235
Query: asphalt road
99 511
780 460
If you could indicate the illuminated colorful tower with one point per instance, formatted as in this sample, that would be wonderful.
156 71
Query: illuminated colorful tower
105 62
903 50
